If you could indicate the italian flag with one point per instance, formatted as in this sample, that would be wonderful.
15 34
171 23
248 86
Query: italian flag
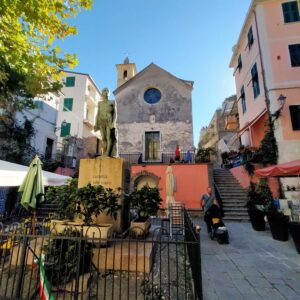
45 287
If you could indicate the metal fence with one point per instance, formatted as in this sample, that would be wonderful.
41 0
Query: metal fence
165 264
162 157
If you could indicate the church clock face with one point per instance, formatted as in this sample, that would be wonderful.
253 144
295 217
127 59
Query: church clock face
152 95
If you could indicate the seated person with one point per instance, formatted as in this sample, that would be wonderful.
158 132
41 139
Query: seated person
219 229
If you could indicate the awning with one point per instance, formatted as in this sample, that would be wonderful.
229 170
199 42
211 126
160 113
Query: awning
289 169
13 175
241 131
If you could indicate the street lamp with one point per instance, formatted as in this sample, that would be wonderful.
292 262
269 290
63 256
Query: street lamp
281 100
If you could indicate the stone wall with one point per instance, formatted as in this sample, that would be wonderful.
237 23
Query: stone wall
171 116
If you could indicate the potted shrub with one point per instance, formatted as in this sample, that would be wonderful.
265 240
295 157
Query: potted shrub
295 232
278 224
62 255
259 196
65 197
79 208
93 201
146 203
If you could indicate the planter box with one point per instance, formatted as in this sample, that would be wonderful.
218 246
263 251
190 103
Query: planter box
279 227
139 228
103 231
257 220
295 232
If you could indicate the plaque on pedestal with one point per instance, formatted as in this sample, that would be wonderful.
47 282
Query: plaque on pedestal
111 173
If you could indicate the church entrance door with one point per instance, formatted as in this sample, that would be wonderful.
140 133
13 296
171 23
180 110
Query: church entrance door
152 146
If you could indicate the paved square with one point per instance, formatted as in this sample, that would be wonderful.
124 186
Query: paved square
252 266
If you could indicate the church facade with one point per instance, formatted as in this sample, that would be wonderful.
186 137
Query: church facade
154 112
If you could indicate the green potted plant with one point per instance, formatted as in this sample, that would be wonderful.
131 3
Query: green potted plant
61 257
95 200
259 196
65 197
145 202
86 204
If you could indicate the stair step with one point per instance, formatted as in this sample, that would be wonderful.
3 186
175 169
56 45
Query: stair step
233 205
235 213
233 202
241 209
233 195
236 219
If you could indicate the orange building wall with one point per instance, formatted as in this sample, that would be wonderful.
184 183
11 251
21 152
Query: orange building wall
258 130
244 179
192 181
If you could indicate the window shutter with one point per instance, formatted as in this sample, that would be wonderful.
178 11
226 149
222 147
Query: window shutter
244 107
240 64
254 71
255 82
70 81
250 37
65 129
68 104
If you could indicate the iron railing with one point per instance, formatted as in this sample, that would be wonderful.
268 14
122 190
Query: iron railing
165 264
161 157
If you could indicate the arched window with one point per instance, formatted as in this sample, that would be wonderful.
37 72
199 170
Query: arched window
125 75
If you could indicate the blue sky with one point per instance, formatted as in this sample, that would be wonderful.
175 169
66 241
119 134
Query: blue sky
191 39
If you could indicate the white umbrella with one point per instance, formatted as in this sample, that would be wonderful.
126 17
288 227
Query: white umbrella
13 175
169 188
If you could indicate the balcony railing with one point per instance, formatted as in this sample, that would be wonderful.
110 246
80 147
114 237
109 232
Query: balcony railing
159 157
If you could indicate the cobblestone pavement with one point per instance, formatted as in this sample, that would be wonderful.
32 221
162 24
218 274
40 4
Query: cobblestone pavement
253 266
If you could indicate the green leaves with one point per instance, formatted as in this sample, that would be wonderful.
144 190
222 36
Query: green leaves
28 30
88 201
146 201
96 199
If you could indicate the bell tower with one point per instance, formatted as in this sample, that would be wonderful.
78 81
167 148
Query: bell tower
125 71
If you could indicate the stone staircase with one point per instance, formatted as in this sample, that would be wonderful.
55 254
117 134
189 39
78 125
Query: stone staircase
233 196
45 208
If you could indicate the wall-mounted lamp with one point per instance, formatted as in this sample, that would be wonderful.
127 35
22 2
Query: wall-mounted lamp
281 100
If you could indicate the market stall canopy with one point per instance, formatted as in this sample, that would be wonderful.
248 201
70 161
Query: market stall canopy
13 175
289 169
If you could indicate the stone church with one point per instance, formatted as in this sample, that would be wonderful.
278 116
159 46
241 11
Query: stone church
154 112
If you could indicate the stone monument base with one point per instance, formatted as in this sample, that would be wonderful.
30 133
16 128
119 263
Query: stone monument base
111 173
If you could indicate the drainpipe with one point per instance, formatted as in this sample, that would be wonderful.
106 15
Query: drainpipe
262 69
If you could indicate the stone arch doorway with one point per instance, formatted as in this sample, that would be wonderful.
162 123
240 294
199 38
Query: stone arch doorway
144 178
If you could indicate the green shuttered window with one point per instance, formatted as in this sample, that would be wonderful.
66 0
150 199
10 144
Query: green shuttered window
68 104
70 81
250 38
65 129
255 81
243 98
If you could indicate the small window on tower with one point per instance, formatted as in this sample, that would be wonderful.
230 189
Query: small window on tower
125 75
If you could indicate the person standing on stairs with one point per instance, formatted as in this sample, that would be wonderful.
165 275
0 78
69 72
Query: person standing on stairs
207 200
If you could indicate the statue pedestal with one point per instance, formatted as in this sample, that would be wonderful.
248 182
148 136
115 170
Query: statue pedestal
111 173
